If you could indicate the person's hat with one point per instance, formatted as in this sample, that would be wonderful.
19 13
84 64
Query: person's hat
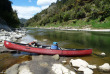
35 40
55 43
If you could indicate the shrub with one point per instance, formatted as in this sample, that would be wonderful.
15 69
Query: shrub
66 17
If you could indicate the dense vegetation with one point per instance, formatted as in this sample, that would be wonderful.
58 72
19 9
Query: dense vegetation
7 13
76 13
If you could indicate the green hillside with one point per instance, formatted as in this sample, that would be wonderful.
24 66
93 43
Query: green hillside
7 13
22 20
74 13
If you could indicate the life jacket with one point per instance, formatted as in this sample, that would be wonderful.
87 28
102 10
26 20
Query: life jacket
54 47
33 43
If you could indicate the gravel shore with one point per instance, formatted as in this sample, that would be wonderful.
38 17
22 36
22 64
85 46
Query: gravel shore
75 29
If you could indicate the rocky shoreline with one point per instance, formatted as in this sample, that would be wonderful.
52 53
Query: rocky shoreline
45 64
76 29
11 36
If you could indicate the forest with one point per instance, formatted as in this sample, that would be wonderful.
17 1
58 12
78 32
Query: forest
75 13
8 14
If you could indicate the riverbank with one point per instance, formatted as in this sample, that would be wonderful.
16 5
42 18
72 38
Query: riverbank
11 35
80 24
76 29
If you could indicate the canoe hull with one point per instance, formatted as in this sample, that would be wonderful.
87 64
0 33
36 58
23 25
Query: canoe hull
15 46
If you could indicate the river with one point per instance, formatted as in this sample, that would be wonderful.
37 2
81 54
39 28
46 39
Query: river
98 41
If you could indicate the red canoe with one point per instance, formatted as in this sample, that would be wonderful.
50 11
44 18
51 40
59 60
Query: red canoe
22 47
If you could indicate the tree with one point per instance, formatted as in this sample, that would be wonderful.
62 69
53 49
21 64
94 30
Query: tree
7 13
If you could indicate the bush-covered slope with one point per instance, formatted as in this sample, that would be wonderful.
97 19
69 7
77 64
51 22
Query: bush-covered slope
22 20
7 13
72 11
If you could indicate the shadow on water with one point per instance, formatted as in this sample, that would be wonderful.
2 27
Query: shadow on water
23 53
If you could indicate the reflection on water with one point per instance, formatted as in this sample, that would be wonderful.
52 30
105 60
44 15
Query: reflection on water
74 39
99 41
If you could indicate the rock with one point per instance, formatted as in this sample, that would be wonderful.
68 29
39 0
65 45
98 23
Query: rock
64 62
3 42
8 39
44 39
85 70
102 54
18 36
1 45
64 69
14 39
105 67
92 66
71 72
23 42
81 68
35 59
24 69
60 69
9 36
41 64
12 70
2 38
79 63
44 64
56 57
88 71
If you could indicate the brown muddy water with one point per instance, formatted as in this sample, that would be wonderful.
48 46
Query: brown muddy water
7 60
98 41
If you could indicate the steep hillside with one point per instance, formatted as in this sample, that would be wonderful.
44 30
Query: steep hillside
3 25
74 13
7 13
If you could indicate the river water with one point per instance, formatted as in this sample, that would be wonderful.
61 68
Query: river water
98 41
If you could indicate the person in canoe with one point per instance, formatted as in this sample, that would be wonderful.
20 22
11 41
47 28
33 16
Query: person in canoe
54 46
34 43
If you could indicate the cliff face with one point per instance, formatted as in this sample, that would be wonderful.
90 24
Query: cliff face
3 25
7 14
